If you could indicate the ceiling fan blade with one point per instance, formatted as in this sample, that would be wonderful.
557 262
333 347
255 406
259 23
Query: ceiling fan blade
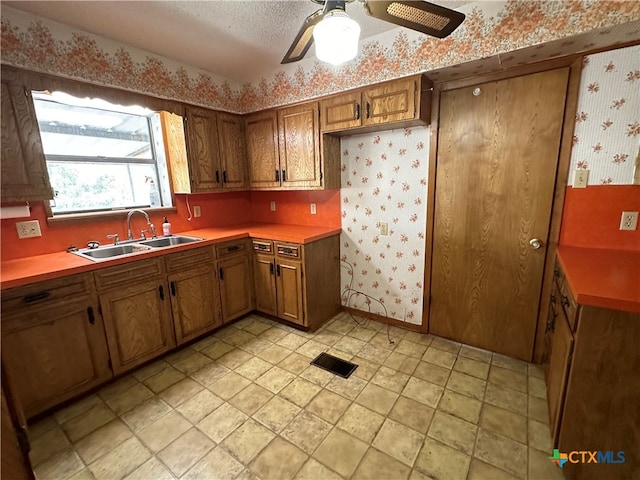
304 38
417 15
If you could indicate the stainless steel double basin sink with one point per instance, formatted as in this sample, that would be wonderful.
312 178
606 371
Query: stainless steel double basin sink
133 246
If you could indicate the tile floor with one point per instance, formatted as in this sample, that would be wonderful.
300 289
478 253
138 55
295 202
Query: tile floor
244 403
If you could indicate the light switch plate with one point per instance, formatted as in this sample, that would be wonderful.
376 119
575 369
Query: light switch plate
629 221
384 228
28 229
196 211
580 178
313 209
272 206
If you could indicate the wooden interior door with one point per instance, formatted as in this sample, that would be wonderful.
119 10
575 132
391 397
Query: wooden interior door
496 166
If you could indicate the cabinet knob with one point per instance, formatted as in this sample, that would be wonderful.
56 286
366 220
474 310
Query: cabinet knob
535 243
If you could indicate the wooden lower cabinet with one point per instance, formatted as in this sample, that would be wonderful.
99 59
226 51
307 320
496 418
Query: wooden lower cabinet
138 323
54 352
264 280
289 288
298 283
195 301
135 304
234 275
594 388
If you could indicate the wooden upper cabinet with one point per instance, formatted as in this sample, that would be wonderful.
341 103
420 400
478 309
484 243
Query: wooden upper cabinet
233 152
263 156
203 150
23 167
341 112
397 103
299 141
390 102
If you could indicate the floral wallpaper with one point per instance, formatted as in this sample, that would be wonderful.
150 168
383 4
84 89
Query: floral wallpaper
490 28
384 179
607 133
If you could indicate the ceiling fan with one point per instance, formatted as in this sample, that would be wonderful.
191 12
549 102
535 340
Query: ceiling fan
343 35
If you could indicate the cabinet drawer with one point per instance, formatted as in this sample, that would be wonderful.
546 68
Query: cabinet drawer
289 250
263 246
231 248
558 274
196 257
569 305
45 293
129 274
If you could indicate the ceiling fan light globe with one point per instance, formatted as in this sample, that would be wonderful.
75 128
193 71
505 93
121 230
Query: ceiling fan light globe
336 38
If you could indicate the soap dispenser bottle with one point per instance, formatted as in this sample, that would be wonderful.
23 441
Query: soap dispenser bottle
166 227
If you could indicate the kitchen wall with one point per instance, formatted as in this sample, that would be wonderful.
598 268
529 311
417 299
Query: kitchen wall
218 210
606 142
384 180
490 28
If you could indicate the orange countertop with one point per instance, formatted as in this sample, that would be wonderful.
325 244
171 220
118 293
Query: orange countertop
23 271
602 278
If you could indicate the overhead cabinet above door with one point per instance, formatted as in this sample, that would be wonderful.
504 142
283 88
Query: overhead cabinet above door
398 103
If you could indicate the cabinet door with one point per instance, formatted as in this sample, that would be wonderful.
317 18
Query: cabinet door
235 287
54 353
194 302
389 102
289 288
233 156
203 150
23 167
299 140
552 315
263 157
265 284
138 323
559 363
341 112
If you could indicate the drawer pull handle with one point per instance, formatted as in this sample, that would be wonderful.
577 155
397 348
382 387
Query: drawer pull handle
224 176
217 176
221 273
172 284
161 290
233 249
565 301
271 268
277 175
357 111
36 297
261 246
278 270
284 175
90 316
367 109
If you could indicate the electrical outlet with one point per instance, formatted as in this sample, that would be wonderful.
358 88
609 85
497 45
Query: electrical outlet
29 229
196 211
580 178
384 228
629 221
313 209
272 206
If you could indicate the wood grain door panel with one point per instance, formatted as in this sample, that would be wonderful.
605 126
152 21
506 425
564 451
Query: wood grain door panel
299 134
265 284
233 156
234 274
54 353
389 102
263 156
340 112
138 323
204 159
194 302
289 289
496 165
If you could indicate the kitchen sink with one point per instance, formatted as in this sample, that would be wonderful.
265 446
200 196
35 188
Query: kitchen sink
169 241
133 246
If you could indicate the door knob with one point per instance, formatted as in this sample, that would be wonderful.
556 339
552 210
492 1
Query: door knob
535 243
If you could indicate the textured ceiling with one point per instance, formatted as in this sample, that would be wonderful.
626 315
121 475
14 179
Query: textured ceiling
238 39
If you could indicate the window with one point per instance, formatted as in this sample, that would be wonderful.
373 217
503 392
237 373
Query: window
101 156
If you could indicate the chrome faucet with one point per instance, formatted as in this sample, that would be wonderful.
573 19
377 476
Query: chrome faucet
151 226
